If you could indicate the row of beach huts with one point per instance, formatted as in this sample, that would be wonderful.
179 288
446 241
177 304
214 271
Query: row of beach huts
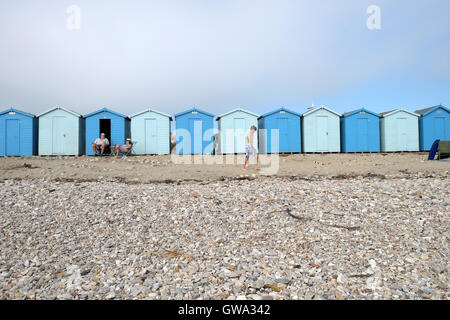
60 131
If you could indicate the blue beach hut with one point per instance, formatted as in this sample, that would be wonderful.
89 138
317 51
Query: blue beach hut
321 131
233 127
61 132
151 130
18 133
434 123
399 131
360 131
288 124
194 132
114 125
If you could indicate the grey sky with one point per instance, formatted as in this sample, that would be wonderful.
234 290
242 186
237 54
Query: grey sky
218 55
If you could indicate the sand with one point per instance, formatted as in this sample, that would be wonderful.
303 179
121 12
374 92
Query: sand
164 168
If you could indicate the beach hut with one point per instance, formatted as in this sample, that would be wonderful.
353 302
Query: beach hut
321 130
18 133
233 128
360 131
399 131
194 132
288 124
114 125
61 132
151 130
434 123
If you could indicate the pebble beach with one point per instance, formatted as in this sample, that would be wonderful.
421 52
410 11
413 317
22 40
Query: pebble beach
337 232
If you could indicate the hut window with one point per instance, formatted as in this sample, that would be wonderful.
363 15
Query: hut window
282 111
11 112
194 112
105 127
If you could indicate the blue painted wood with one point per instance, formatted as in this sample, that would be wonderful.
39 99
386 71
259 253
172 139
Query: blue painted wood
151 130
360 131
233 128
194 132
18 133
399 130
120 127
288 125
434 124
60 132
321 131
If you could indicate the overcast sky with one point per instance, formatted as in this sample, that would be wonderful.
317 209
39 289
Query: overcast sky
221 54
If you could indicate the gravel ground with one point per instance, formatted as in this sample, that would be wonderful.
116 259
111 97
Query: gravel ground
368 237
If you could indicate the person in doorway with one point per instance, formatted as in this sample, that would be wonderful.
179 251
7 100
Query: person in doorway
125 148
250 149
100 144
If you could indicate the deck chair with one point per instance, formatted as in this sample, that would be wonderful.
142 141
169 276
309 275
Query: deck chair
443 150
107 151
130 152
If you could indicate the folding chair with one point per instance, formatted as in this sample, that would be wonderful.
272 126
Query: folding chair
443 150
130 152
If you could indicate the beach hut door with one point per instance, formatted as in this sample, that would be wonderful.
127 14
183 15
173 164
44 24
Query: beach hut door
283 125
12 138
402 134
322 133
151 138
239 135
195 129
59 135
363 134
439 128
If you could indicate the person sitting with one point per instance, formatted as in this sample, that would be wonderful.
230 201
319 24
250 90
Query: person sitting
100 144
125 148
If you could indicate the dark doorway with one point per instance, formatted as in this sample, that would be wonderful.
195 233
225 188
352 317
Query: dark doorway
105 127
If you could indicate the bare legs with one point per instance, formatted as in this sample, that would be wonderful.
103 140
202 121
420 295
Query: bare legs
256 165
96 147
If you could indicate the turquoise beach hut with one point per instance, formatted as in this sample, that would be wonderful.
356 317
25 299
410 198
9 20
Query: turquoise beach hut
434 124
151 130
61 132
360 131
194 132
114 125
288 124
321 131
399 131
18 133
233 128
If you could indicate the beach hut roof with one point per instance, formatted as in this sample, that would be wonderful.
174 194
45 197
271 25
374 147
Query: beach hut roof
391 112
151 110
236 110
105 110
191 110
278 110
426 111
60 108
350 113
17 111
319 108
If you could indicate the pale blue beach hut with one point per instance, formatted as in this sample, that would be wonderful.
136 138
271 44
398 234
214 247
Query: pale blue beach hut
434 124
18 133
321 131
233 128
399 131
61 132
151 130
114 125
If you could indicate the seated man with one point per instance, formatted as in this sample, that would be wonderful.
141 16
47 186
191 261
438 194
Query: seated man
100 144
125 148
